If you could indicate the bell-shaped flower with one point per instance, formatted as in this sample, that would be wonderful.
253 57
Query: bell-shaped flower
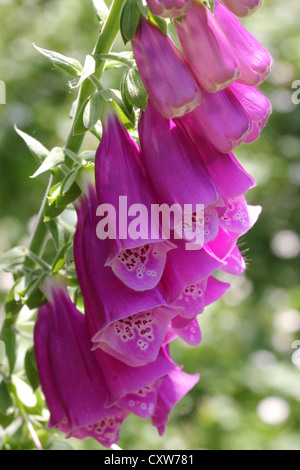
169 8
256 105
169 81
173 388
184 275
136 340
228 176
106 298
207 49
173 163
124 191
242 8
72 382
238 218
124 380
215 289
255 61
222 119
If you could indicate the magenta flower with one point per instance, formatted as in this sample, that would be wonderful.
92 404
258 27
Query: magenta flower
123 380
106 298
226 119
242 7
173 388
176 170
228 176
74 386
169 8
184 269
207 49
256 105
167 77
119 172
255 61
136 340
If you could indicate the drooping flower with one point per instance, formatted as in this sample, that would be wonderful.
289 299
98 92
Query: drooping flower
229 177
106 298
136 258
123 380
255 61
207 49
71 380
175 168
169 8
242 8
222 119
173 388
169 81
136 340
256 105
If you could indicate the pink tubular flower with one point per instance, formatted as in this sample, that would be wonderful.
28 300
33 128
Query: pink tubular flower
173 388
242 8
123 380
175 168
207 49
166 75
223 120
169 8
119 172
106 298
228 176
136 340
256 105
71 380
255 61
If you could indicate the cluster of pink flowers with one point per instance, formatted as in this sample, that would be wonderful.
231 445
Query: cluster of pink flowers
139 295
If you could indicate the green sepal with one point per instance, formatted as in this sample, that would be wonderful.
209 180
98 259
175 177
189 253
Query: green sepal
69 65
130 17
31 369
134 89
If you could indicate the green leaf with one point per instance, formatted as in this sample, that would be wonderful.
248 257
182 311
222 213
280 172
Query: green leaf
31 369
12 304
127 103
143 8
93 111
6 401
32 295
60 260
101 10
160 23
130 17
2 353
209 4
89 68
5 421
79 127
36 148
88 155
124 58
69 65
55 158
60 196
127 117
9 338
10 260
134 88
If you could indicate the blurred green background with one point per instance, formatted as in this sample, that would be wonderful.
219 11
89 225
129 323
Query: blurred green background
249 393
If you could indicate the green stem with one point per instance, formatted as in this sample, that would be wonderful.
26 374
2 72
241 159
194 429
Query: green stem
103 45
40 230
